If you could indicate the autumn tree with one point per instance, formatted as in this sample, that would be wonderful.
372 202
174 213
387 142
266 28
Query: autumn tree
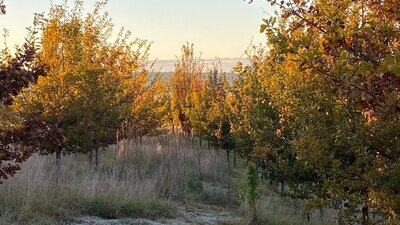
21 136
147 109
332 75
185 81
218 116
90 87
258 128
198 112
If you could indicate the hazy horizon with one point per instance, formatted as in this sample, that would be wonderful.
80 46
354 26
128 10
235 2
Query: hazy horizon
215 27
227 64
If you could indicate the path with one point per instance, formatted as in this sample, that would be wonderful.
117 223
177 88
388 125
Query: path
204 215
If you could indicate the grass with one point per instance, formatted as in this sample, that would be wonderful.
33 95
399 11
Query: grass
134 180
272 209
275 210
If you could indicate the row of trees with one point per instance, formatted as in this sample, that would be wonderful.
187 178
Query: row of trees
199 100
317 109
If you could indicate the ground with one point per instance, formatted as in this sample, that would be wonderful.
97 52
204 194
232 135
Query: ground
199 215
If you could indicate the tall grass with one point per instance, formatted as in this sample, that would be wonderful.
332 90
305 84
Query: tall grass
133 180
273 209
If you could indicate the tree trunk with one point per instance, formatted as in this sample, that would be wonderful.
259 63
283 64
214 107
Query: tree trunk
365 215
282 186
234 157
296 206
321 214
199 162
340 220
228 157
208 144
200 140
90 157
96 157
229 172
58 165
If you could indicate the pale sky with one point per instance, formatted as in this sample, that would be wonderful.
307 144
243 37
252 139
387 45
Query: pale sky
217 28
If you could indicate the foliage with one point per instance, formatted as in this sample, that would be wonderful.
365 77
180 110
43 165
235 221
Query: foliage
2 8
186 84
20 71
199 100
18 144
148 104
93 87
218 116
331 73
255 121
21 136
252 185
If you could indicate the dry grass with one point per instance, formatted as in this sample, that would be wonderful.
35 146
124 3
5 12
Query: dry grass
133 180
273 209
145 180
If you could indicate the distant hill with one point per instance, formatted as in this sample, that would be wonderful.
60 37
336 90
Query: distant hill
165 66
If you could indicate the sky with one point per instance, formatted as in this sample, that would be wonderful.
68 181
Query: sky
217 28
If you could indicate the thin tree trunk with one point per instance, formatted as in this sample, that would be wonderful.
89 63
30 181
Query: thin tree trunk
96 158
228 157
228 160
90 157
200 140
321 214
58 165
365 215
199 162
296 206
234 157
229 172
340 220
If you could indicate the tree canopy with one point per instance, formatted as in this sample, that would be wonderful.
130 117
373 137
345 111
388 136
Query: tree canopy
331 73
93 86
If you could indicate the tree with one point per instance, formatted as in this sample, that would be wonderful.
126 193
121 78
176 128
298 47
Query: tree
21 136
218 116
88 92
332 74
258 125
185 79
148 107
